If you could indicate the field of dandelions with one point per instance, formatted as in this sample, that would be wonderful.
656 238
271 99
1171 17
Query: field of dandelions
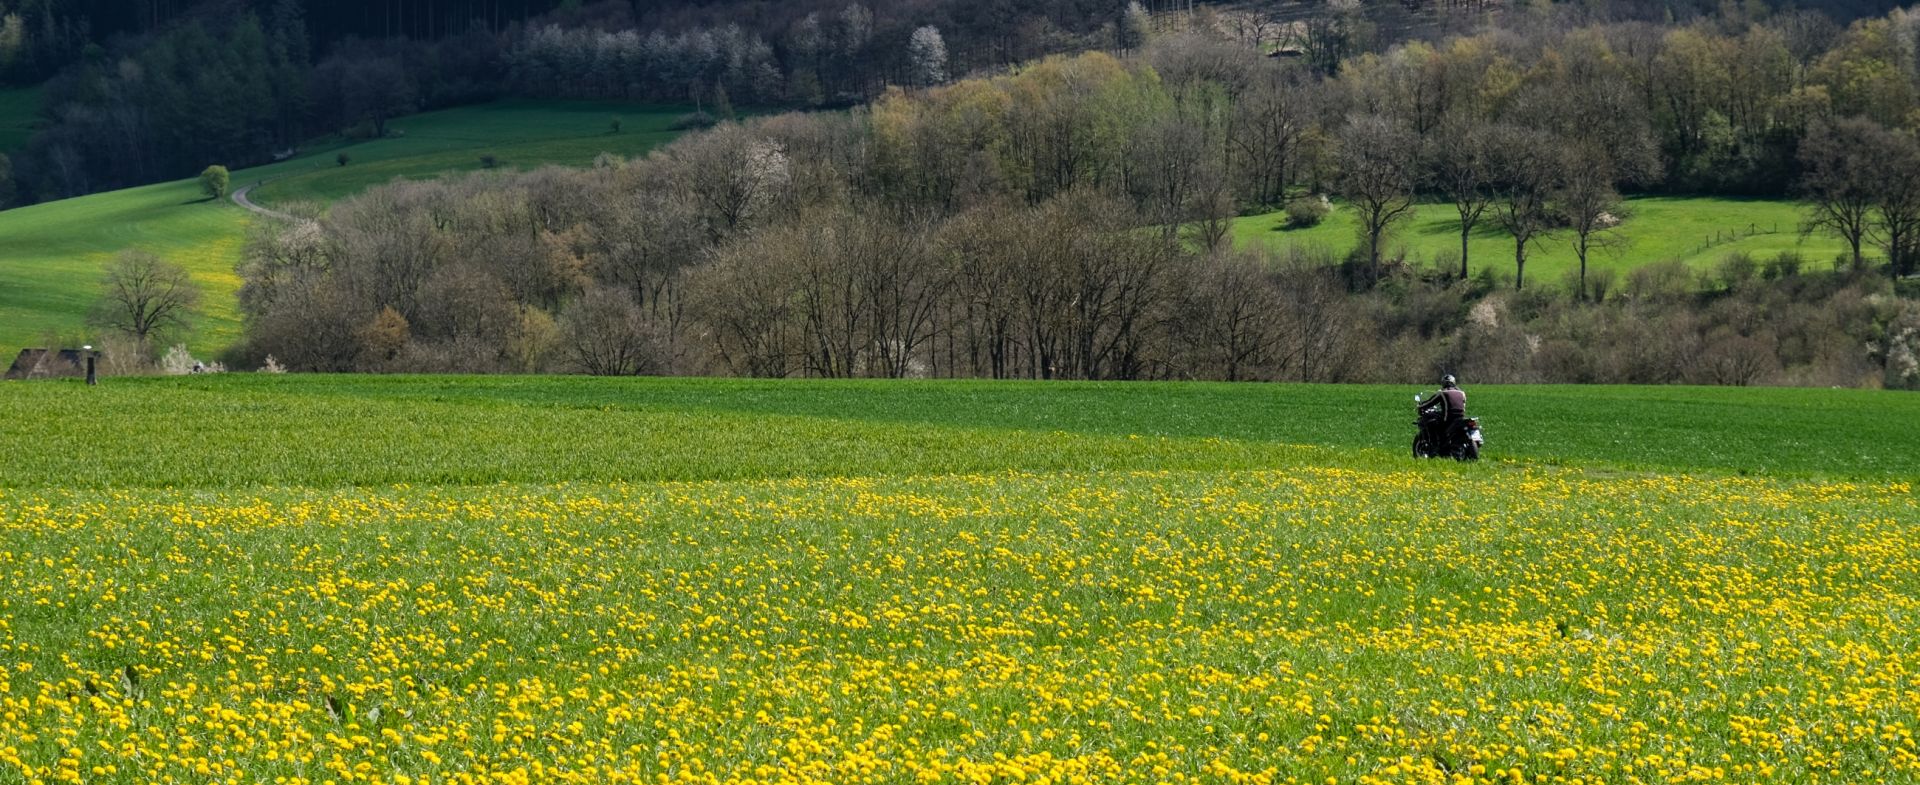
1241 613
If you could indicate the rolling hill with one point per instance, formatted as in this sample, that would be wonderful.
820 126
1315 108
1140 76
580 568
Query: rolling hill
51 254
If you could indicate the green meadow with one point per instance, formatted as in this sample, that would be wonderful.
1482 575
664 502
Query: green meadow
52 254
295 578
241 429
520 134
1699 231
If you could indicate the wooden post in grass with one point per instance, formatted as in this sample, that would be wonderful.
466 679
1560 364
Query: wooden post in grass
91 378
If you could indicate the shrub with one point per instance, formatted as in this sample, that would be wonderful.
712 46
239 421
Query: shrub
692 121
214 180
1307 211
1600 283
1669 278
1735 270
1786 265
342 159
489 161
179 362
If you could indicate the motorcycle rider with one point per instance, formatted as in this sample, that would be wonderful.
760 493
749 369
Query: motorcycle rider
1452 403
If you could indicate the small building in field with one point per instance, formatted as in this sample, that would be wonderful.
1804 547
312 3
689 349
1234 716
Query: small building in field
49 364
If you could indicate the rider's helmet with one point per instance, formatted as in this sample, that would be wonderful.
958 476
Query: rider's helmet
1447 381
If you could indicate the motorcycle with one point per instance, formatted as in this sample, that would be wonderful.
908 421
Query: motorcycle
1434 439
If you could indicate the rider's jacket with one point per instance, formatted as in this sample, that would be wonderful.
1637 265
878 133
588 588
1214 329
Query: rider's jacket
1455 400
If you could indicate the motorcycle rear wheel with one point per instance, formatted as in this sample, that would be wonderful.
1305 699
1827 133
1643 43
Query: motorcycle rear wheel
1466 452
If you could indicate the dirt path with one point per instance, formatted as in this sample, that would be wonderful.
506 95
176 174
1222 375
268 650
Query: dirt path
240 197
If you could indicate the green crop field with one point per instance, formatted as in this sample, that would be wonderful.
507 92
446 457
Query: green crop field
19 111
52 254
296 430
1699 231
307 579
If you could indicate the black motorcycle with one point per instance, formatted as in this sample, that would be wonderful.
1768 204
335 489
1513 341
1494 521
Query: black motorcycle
1434 439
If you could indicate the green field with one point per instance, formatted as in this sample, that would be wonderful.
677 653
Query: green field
52 254
305 579
518 133
250 429
1700 231
19 111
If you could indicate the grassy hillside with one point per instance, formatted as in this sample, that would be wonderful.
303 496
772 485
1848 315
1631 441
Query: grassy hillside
517 133
19 108
1699 231
52 254
297 430
805 582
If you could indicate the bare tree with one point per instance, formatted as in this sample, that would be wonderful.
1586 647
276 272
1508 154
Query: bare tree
734 176
1229 319
1270 124
1527 171
746 308
1178 162
605 334
1329 37
145 297
1318 321
1460 160
978 248
1896 203
1839 160
1590 205
1379 168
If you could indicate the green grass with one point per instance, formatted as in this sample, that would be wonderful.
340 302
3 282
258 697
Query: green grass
19 113
518 133
53 254
246 429
1700 231
304 578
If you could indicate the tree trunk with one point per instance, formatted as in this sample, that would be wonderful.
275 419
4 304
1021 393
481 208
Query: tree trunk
1519 263
1465 230
1581 247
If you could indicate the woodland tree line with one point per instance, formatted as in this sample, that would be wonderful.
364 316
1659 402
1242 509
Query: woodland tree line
139 92
1069 220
